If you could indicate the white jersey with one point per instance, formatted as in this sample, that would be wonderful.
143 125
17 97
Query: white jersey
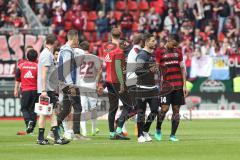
131 60
87 72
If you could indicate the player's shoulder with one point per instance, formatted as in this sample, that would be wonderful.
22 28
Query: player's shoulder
142 55
45 53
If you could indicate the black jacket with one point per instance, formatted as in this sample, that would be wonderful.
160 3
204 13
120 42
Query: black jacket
144 62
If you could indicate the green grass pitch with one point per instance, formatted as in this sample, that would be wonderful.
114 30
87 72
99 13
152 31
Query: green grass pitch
199 140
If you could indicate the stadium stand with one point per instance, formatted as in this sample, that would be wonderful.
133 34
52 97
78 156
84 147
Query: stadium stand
208 29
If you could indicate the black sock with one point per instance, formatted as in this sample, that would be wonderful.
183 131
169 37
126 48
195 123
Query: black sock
149 121
26 123
175 123
41 133
160 119
140 123
55 132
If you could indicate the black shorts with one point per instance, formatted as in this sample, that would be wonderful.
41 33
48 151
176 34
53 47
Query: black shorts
53 98
28 100
176 97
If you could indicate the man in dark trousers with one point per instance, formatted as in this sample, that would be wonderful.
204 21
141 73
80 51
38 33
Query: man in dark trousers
26 74
147 91
115 82
70 94
171 63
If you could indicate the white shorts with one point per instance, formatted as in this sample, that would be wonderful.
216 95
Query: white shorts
89 101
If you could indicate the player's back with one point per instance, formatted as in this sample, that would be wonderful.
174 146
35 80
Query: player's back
28 75
111 53
88 71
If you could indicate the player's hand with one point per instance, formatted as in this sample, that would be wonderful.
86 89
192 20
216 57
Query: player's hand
154 69
15 93
44 94
73 91
185 92
122 88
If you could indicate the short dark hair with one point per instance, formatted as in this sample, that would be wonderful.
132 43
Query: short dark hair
174 37
137 38
51 39
29 47
32 55
71 34
116 33
56 50
84 45
146 37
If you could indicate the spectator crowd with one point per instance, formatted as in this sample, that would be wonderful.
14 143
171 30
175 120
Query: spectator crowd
206 27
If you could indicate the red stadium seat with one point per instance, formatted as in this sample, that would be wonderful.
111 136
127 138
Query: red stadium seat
92 16
132 5
69 15
90 36
105 38
91 26
68 25
153 3
135 15
143 5
135 27
84 13
87 36
117 15
94 36
121 5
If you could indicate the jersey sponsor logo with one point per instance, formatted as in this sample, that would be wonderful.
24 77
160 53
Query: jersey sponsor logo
29 67
170 55
171 62
107 58
28 75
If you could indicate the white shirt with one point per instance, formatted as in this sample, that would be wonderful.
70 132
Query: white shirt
87 70
131 60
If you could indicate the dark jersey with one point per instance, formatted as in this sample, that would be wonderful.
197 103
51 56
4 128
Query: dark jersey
170 64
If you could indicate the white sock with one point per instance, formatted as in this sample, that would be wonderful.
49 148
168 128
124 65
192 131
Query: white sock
94 125
65 125
83 125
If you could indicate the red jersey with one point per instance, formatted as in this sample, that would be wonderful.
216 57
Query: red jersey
111 53
27 75
170 63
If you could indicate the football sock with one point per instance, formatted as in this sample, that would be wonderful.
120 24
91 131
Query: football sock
26 123
55 132
175 123
158 131
149 121
83 127
160 119
65 125
94 125
41 133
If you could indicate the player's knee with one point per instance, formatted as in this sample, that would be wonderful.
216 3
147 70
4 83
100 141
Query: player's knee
164 110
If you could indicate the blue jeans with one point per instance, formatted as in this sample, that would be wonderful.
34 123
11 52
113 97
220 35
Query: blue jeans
221 23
